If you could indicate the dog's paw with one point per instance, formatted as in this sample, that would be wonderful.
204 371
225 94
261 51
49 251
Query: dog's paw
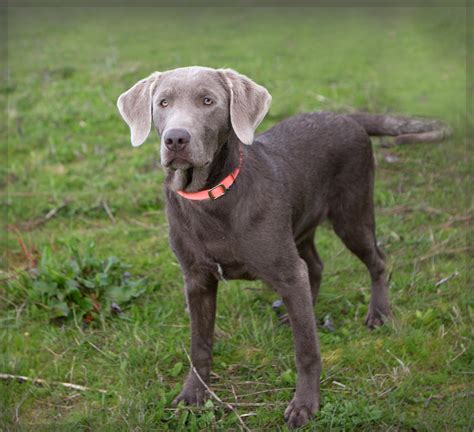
376 317
284 319
299 412
191 396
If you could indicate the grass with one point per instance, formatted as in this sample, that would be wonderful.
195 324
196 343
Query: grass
69 151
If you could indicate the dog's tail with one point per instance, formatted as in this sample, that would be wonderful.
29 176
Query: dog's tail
406 130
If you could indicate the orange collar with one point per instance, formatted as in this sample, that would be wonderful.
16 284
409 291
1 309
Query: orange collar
216 191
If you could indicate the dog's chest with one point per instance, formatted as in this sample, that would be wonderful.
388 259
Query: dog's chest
220 253
216 249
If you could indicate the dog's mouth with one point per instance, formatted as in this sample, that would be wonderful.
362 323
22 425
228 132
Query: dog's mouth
187 169
188 177
178 163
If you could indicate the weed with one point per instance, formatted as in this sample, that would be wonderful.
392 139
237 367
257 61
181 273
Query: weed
78 284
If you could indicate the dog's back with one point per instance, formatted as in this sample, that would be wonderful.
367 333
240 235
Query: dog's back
317 155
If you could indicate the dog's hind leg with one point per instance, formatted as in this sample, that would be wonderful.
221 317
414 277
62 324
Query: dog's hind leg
307 251
353 222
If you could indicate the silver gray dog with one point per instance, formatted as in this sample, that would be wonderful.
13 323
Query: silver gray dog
245 207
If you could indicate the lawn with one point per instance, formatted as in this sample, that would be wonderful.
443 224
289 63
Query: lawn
75 191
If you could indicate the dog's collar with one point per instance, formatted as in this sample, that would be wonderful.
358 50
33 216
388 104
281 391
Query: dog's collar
216 191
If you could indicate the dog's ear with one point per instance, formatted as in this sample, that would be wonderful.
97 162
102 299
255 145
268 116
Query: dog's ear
135 108
249 103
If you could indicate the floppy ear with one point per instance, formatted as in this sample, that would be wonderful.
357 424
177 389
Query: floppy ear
249 103
135 108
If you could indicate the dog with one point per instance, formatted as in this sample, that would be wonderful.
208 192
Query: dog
246 207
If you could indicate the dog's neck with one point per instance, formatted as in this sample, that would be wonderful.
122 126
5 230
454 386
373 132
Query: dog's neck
224 162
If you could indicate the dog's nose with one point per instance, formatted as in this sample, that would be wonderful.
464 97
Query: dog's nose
176 139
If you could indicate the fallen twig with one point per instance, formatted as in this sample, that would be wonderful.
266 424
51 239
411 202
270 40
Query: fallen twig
400 209
39 381
457 219
35 223
446 279
339 384
257 404
439 397
160 227
404 208
108 211
265 391
213 395
252 383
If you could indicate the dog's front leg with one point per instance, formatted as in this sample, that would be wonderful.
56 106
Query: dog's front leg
201 292
294 287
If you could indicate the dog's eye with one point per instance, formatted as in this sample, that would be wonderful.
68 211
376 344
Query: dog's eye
164 103
207 101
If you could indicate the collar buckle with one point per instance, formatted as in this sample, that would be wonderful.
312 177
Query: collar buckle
220 189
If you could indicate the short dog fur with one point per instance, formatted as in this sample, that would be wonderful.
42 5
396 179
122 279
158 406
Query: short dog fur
303 170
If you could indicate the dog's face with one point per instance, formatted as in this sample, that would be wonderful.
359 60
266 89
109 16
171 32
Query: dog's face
194 110
191 114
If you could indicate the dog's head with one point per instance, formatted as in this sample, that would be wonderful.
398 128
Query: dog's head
194 111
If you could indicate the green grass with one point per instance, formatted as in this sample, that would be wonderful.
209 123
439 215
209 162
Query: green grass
67 145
